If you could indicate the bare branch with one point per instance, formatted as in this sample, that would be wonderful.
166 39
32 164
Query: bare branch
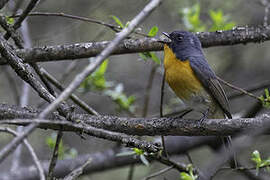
133 126
158 173
78 171
239 35
54 155
30 149
107 159
252 88
113 27
73 97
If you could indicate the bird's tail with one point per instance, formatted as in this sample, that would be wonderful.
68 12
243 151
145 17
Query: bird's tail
227 141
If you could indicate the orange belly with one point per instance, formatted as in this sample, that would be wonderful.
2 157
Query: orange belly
180 76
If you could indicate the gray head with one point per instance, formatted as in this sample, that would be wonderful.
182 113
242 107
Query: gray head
184 44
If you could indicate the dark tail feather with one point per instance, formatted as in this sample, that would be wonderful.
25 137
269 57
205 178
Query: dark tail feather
227 141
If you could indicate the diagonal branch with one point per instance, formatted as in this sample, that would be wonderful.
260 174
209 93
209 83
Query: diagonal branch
101 57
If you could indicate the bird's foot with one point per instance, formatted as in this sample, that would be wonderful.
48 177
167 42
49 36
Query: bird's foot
205 115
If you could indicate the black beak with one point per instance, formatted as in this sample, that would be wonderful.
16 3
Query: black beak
165 40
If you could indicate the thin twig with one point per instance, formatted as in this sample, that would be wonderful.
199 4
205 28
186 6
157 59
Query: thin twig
158 173
238 89
54 156
24 14
252 88
78 171
131 170
67 71
179 166
161 112
73 97
113 27
30 149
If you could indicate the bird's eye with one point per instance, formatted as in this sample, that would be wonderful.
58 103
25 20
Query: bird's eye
179 38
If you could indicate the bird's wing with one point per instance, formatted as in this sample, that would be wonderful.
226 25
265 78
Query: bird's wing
208 78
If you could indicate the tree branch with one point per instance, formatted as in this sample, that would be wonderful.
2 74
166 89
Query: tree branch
31 151
239 35
107 159
133 126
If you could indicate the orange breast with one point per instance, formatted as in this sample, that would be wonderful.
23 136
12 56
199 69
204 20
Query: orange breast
180 76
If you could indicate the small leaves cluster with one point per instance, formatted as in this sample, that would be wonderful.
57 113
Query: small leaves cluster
136 153
64 152
119 22
265 99
151 55
218 21
190 175
97 82
152 32
117 94
259 162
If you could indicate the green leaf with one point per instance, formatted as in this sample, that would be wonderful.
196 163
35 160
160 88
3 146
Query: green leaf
154 57
191 18
138 151
123 101
265 100
97 79
126 25
219 21
185 176
143 56
51 142
256 158
153 31
150 55
70 154
10 20
265 163
144 160
118 21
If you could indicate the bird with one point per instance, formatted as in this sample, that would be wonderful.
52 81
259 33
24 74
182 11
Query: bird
192 79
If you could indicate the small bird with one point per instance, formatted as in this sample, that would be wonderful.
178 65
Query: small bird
191 78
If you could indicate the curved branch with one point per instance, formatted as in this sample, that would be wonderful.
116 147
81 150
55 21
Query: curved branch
239 35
